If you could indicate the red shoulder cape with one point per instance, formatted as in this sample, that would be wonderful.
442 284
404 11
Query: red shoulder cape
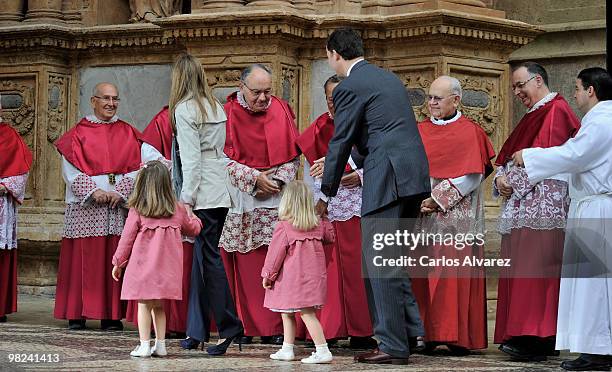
456 149
15 156
159 133
550 125
260 140
314 140
97 149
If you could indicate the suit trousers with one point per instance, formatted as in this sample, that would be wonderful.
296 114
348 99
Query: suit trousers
393 307
210 292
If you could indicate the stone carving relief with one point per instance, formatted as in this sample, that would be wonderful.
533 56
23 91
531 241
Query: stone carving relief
149 10
289 87
223 82
417 83
56 106
222 78
481 99
18 104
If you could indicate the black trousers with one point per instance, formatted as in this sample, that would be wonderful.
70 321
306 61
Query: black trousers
393 307
210 292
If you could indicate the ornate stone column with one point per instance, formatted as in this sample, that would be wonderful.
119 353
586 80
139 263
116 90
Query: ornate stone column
72 11
11 11
44 11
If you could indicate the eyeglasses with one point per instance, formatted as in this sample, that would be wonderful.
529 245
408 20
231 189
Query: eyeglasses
108 99
437 99
257 93
521 84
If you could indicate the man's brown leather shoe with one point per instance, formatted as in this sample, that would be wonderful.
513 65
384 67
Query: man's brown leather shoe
379 357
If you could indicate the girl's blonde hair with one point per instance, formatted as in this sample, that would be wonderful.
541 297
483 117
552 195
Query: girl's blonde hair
153 195
189 82
297 206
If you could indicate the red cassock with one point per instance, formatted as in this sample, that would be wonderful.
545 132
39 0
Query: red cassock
84 287
528 306
346 311
15 160
159 135
453 305
261 141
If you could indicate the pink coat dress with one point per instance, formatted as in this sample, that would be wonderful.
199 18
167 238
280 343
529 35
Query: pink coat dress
153 251
295 262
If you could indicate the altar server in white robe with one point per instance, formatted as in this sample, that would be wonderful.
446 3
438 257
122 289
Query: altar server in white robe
585 301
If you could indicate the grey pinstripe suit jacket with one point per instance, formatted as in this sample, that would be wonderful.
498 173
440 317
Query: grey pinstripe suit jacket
373 111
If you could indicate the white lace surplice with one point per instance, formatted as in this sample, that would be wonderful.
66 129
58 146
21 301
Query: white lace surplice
8 209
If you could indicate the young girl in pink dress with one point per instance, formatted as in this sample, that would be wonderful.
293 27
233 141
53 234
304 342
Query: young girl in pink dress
294 273
151 248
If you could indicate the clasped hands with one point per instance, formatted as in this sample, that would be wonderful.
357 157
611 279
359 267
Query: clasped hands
350 180
266 186
107 197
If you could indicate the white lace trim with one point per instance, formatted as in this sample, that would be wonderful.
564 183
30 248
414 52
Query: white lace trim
444 122
94 119
549 97
243 103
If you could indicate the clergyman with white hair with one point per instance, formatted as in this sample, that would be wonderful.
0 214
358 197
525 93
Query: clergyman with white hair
459 153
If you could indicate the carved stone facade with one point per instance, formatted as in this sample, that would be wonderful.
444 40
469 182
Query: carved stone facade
46 70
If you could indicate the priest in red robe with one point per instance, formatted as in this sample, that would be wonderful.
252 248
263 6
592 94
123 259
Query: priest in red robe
260 142
531 223
101 156
345 312
452 301
15 163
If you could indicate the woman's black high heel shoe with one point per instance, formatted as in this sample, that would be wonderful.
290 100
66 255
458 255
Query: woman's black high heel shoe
221 348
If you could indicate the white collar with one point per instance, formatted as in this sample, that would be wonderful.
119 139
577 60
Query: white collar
243 103
444 122
547 98
348 72
94 119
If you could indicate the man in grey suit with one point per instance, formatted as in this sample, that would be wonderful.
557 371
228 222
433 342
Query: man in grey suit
374 113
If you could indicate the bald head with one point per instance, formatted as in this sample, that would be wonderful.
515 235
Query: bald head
96 90
105 100
256 87
444 96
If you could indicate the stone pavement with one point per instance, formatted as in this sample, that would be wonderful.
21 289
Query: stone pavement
33 331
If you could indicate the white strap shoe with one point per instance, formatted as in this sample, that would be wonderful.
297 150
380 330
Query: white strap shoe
159 349
317 358
142 350
282 354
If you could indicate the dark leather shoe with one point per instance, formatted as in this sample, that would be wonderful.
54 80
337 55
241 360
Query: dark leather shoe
3 319
587 362
457 350
76 324
417 344
190 343
379 357
272 340
364 343
111 325
522 354
244 340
